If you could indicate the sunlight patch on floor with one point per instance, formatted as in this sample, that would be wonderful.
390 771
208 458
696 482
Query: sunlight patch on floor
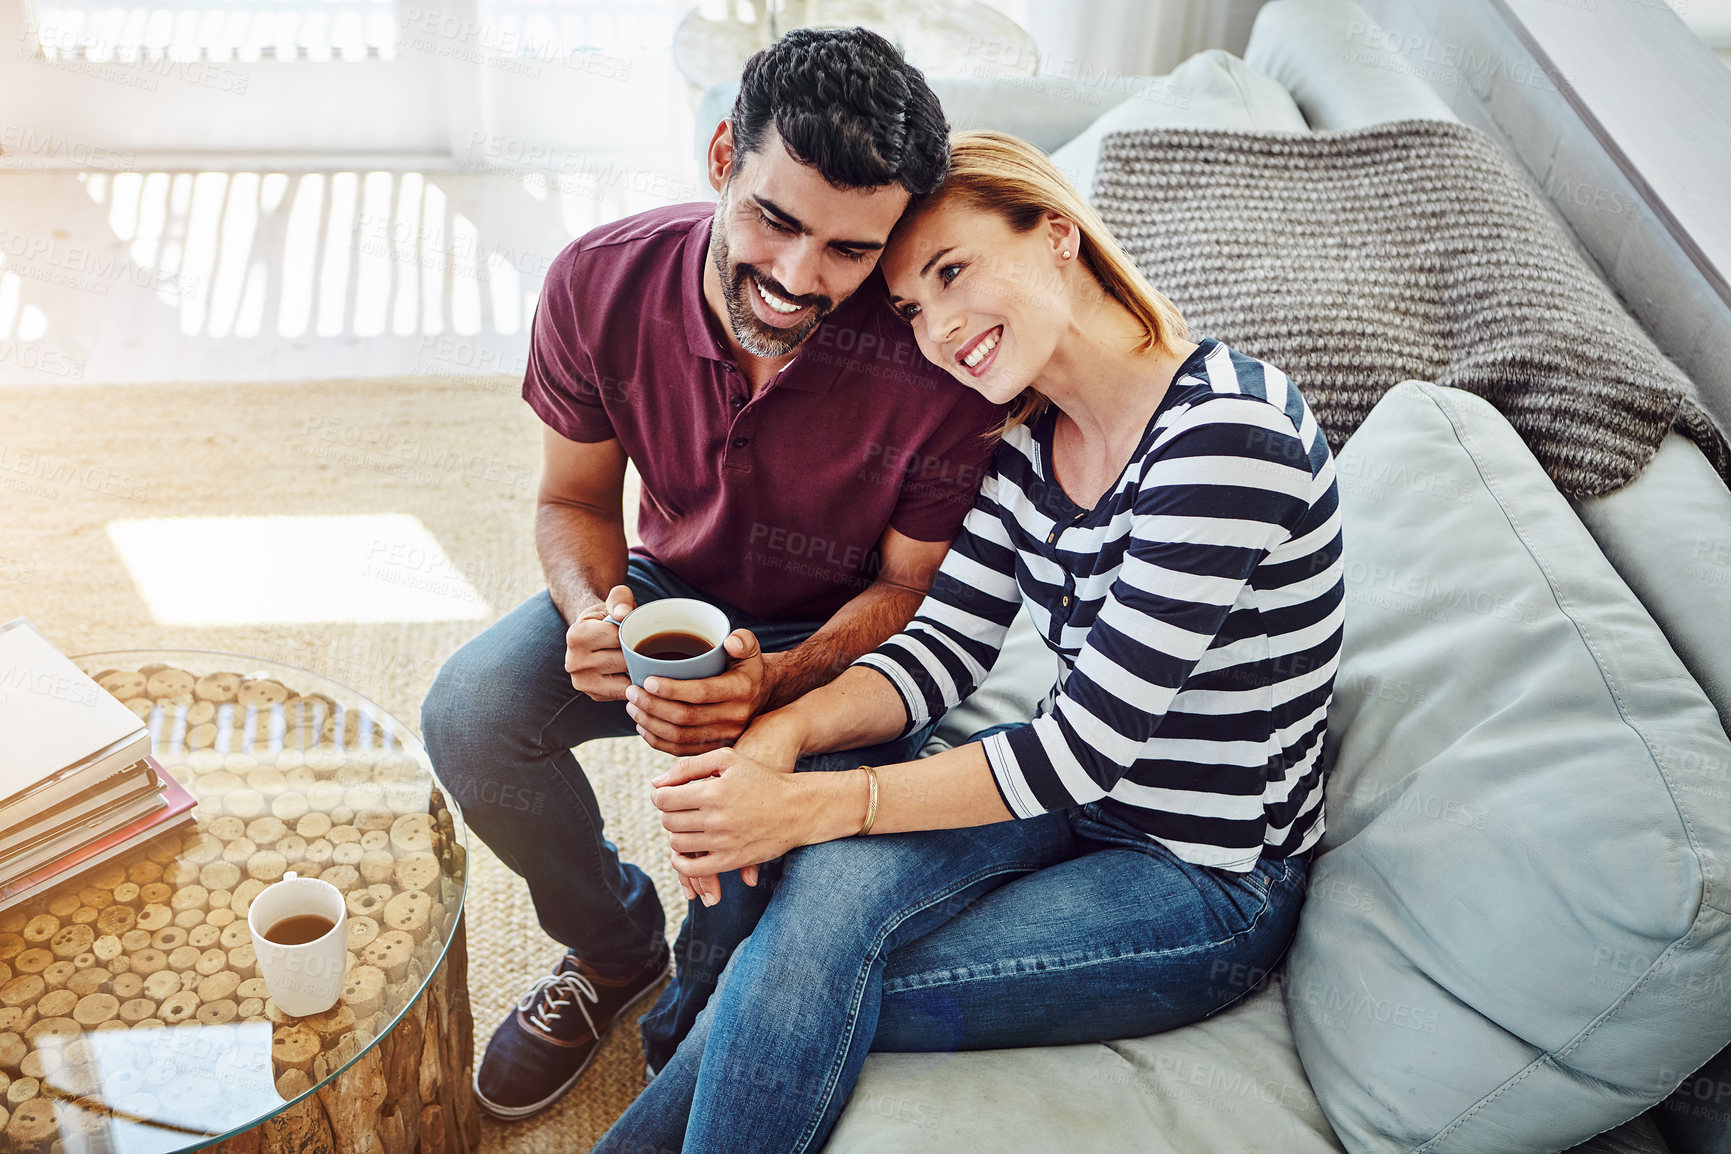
293 570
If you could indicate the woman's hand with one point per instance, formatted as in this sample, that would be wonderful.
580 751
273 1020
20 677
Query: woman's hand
773 740
726 811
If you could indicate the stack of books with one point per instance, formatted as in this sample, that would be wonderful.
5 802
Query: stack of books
77 783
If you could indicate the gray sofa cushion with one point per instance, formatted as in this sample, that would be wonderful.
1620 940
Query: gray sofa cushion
1517 787
1342 70
1212 89
1228 1083
1668 532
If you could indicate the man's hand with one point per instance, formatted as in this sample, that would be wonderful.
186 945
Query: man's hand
592 654
686 718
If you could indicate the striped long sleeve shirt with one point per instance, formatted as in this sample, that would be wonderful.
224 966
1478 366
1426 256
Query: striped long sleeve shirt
1196 610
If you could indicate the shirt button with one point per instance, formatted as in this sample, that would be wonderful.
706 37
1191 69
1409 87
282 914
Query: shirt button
741 442
1066 599
736 404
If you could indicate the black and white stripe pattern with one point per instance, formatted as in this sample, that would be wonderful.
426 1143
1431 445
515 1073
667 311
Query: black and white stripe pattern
1197 610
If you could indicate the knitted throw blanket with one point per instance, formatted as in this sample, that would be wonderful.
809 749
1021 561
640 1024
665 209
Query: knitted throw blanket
1355 260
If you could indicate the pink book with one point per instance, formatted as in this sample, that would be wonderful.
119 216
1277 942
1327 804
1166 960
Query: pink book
175 814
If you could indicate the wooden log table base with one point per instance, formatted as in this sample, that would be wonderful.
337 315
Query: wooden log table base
157 942
408 1093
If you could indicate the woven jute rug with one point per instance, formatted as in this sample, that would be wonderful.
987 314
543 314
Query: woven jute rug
460 455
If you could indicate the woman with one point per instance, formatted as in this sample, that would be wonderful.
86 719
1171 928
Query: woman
1132 859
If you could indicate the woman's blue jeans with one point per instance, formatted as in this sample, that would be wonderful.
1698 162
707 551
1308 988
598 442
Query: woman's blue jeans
1062 928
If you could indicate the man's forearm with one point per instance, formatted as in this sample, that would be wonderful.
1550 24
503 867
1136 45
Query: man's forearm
582 554
881 611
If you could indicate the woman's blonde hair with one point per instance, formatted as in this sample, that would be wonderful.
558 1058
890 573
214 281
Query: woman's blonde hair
999 173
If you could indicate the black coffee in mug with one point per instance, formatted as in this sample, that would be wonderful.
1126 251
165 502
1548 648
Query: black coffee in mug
674 645
299 929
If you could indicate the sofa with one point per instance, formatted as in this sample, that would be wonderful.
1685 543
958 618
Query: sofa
1517 935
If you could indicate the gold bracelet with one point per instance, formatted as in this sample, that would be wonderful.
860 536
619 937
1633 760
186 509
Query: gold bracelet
872 805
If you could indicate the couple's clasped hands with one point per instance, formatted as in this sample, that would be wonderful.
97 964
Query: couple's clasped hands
727 800
731 809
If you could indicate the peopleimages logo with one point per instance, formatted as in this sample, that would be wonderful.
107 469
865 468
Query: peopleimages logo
1592 196
1372 471
34 357
808 546
40 147
1427 596
496 46
142 74
910 463
46 474
387 450
1443 61
1416 802
60 687
1329 1005
84 269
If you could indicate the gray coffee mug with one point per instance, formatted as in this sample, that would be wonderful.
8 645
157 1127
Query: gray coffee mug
674 615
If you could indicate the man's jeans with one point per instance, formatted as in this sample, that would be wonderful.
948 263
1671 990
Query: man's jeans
1063 928
500 722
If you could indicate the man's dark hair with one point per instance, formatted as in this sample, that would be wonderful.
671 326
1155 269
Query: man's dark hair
845 102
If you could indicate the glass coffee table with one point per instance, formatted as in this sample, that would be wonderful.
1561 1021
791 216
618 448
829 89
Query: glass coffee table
132 1014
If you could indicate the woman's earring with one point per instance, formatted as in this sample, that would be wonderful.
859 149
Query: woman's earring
1065 254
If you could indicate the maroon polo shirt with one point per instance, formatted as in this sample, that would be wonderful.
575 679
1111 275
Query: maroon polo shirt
773 504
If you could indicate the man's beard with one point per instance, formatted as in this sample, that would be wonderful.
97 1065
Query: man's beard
755 337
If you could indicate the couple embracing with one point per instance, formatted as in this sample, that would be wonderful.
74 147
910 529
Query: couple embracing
1162 508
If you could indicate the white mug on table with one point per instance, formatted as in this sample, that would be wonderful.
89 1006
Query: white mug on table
307 977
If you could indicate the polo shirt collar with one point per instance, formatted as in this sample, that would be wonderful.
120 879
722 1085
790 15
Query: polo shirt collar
809 372
699 337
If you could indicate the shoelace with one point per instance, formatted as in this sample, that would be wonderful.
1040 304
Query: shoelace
554 992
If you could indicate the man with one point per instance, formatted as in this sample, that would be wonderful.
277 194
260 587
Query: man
802 467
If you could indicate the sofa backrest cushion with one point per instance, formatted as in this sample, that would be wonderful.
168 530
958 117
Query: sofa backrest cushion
1521 791
1342 69
1668 532
1212 89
